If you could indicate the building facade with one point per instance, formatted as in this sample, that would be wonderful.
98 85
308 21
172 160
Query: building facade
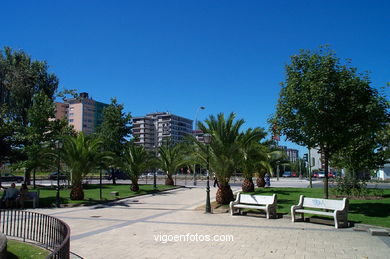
154 128
292 154
83 113
316 160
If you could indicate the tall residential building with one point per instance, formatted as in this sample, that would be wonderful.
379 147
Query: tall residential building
83 113
292 154
151 130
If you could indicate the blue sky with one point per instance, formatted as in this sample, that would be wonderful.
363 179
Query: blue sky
178 55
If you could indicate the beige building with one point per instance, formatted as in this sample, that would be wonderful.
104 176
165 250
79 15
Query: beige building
83 113
151 130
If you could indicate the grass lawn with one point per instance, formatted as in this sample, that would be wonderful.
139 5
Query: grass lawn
16 249
47 196
373 212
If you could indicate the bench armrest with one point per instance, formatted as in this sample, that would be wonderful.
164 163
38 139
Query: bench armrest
237 198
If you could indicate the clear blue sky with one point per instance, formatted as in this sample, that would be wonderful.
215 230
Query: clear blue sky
178 55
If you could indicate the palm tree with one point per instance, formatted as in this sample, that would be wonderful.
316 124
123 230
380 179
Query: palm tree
171 158
82 155
274 157
254 159
135 160
224 151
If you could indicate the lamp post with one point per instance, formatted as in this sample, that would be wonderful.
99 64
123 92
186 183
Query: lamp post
58 146
207 141
154 174
196 127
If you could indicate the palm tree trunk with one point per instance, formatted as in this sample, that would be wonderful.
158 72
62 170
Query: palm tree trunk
247 185
134 185
77 192
260 181
224 194
169 180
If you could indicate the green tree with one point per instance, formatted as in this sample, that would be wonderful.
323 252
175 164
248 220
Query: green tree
115 130
224 150
82 155
171 158
21 78
135 161
326 104
252 157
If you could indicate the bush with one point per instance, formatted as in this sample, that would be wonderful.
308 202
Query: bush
350 186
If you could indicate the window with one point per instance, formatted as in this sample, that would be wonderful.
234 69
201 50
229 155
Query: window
313 161
71 114
70 120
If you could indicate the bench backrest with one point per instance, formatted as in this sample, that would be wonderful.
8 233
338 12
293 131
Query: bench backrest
324 203
33 195
257 199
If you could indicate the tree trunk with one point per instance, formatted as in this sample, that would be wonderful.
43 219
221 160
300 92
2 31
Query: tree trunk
326 190
34 186
247 185
134 185
113 175
224 194
260 181
77 192
27 176
169 181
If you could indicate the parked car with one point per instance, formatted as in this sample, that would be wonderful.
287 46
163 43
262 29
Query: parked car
321 175
53 176
315 174
7 177
287 174
159 173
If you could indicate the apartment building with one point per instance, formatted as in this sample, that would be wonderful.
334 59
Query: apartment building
151 130
83 113
292 154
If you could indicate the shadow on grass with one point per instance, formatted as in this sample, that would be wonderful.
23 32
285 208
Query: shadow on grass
11 256
371 209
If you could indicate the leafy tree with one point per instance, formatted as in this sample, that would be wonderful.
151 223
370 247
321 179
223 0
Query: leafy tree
82 155
115 130
326 104
21 78
135 161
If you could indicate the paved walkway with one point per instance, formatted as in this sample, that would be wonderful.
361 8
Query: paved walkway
129 229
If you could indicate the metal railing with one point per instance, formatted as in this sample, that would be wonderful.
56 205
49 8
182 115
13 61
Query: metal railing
47 231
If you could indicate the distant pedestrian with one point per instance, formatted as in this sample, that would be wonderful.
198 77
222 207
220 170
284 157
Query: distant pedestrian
267 180
215 181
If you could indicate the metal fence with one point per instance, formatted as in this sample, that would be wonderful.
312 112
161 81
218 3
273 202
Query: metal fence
48 231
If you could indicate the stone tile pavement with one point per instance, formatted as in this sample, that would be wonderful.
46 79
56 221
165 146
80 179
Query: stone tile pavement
129 229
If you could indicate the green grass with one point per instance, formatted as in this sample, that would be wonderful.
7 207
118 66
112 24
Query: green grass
16 249
373 212
47 196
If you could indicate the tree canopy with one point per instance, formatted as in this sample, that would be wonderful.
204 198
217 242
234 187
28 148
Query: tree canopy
324 103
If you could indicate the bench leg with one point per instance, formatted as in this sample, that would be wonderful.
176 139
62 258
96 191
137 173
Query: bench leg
336 222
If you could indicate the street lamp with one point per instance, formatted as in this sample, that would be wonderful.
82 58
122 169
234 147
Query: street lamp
155 171
207 141
58 146
196 127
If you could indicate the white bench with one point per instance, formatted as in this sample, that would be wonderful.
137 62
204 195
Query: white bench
339 209
259 202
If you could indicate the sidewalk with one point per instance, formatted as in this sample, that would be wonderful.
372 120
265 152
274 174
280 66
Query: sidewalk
128 229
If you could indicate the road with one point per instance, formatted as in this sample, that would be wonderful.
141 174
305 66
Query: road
235 181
